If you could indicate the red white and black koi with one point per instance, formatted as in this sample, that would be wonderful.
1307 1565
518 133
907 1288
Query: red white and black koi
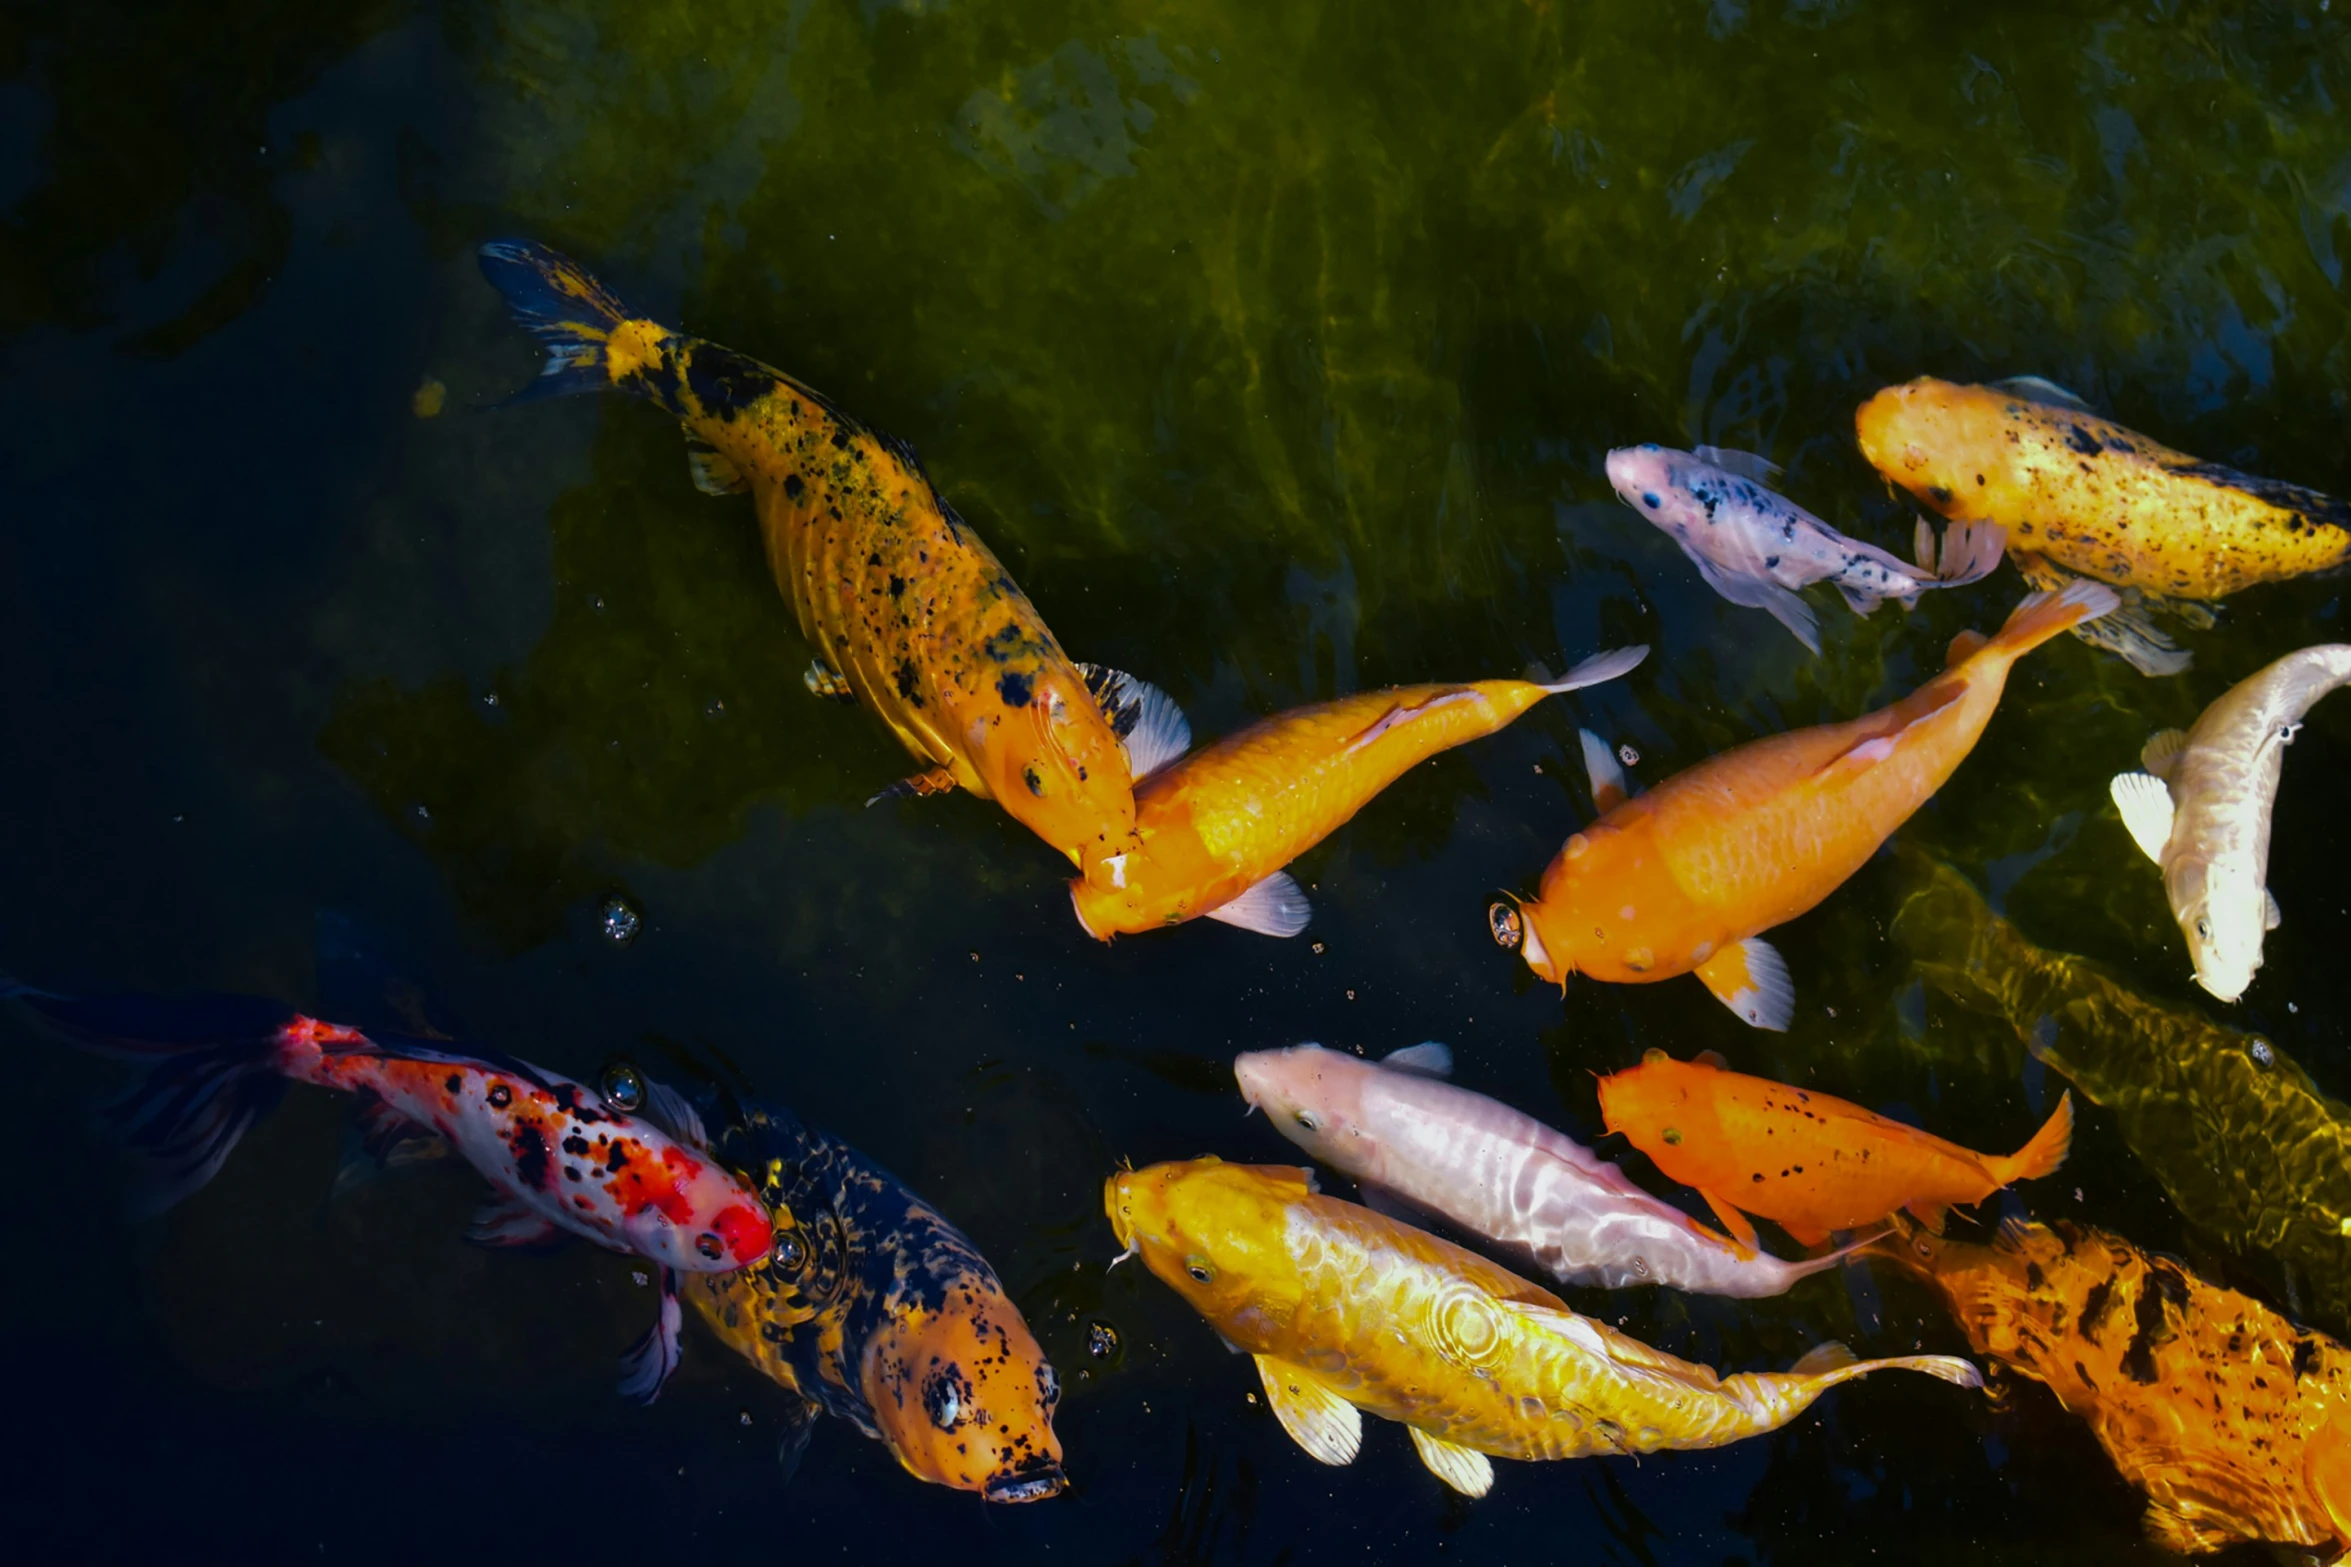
559 1158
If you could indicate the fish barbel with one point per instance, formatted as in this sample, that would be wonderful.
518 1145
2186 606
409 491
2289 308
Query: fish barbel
2234 1422
909 611
875 1308
1409 1138
1217 827
1756 548
1683 878
2202 810
1345 1311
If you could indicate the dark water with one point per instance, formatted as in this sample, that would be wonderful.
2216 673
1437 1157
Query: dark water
1275 348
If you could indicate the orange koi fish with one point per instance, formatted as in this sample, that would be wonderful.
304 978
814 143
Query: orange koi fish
1810 1163
2233 1421
1217 827
1683 878
909 611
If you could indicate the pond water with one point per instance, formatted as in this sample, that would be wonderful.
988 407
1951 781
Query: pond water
1275 348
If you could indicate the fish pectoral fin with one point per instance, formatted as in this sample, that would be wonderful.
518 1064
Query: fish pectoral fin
1272 907
2162 751
504 1220
921 786
1465 1469
647 1365
712 471
1602 769
2040 389
1319 1420
1741 1228
1859 602
1751 978
1930 1214
1146 720
2130 633
1427 1059
823 680
2146 806
1744 465
799 1426
2271 918
1782 604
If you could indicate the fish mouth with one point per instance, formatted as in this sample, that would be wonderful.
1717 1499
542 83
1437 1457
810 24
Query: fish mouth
1032 1485
1077 901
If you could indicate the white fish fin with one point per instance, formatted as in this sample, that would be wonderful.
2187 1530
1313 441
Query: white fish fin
504 1220
2273 919
2040 389
1609 789
1319 1420
2162 752
1751 978
1231 1348
713 473
2146 806
1821 1359
1857 601
1782 604
1971 552
1273 907
649 1362
1600 666
1428 1059
1146 719
1746 465
669 1110
2131 634
1465 1469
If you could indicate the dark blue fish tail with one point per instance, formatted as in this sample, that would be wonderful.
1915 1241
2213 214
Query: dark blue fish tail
208 1072
558 302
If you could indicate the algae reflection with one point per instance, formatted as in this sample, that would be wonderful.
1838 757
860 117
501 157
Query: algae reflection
2245 1144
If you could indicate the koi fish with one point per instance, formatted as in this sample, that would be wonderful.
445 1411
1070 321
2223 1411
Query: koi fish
2082 495
1217 827
1756 548
1346 1312
2247 1147
2233 1421
874 1308
1413 1141
1682 879
1810 1163
909 611
2202 809
559 1161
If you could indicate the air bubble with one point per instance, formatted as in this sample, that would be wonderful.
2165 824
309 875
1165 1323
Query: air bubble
1101 1339
1627 755
621 921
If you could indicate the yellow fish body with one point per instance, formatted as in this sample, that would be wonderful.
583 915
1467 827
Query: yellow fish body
1217 827
908 610
1346 1311
2226 1415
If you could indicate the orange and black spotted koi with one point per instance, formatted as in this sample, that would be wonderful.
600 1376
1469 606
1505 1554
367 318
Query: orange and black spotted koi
909 611
874 1308
559 1159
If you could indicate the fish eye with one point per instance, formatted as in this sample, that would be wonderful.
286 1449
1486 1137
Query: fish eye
1306 1120
1199 1271
1502 919
790 1251
1649 499
623 1087
2204 929
709 1245
1034 779
1672 1136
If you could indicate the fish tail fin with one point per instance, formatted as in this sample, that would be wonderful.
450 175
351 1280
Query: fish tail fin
208 1070
593 343
1836 1364
2045 1152
1599 667
2043 615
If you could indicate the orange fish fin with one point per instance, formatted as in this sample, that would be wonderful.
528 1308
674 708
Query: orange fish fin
1465 1469
1317 1419
2326 1467
1964 647
921 786
2044 615
1742 1231
1930 1214
1609 789
2045 1152
1752 980
1805 1235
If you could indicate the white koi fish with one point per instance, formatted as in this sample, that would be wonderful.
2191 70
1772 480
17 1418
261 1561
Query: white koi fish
1757 548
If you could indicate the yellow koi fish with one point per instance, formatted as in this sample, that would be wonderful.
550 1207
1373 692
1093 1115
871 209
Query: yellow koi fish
1346 1311
909 611
1217 827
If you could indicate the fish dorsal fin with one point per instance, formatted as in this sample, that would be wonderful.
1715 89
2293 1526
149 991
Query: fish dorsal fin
2162 752
1428 1059
2040 389
1465 1469
1821 1359
1751 978
1145 719
712 471
1319 1420
1273 907
2272 919
2146 806
1712 1058
668 1110
1744 465
1609 789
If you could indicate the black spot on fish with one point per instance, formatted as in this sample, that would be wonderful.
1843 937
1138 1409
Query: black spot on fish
2305 1356
910 683
794 486
531 1164
2082 441
1013 687
840 438
453 1082
618 1159
2095 1303
575 1145
2034 1278
1940 494
897 585
500 1096
1771 563
725 381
